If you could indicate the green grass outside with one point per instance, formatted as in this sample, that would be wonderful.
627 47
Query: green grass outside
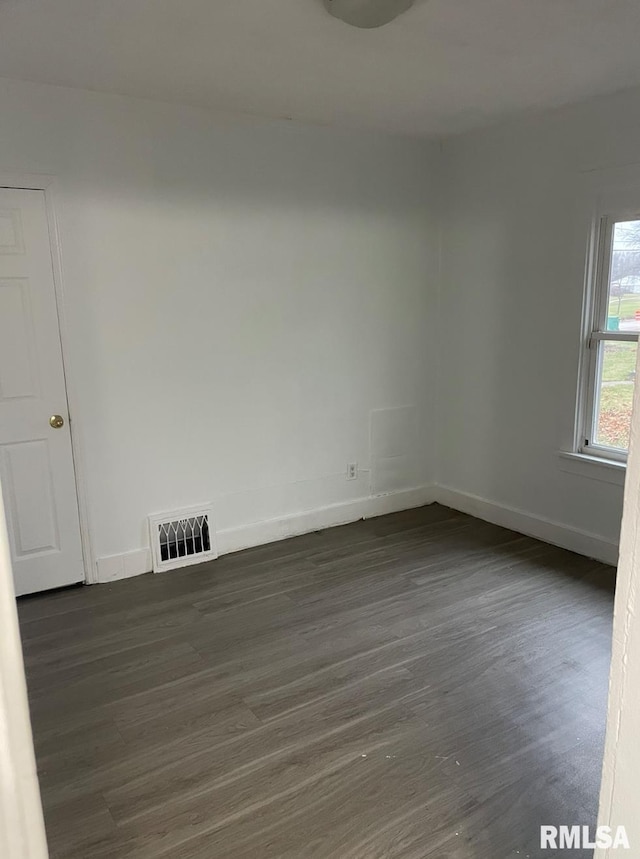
619 362
628 306
616 397
614 413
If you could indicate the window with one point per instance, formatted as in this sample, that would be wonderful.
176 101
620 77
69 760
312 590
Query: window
613 340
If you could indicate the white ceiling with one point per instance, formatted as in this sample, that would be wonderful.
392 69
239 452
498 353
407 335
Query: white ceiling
445 66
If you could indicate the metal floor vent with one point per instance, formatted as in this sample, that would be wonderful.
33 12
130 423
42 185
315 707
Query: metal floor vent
181 538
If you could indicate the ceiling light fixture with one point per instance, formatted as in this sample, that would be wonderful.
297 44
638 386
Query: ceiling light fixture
367 13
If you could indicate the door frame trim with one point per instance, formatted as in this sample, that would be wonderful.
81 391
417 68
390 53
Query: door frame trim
48 184
22 832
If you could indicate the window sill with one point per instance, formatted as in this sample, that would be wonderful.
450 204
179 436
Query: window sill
595 467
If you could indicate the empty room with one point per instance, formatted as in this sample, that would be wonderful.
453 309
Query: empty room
318 339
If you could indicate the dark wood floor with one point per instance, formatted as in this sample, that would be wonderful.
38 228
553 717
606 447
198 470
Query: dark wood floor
420 685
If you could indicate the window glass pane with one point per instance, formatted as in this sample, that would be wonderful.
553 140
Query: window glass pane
614 394
623 309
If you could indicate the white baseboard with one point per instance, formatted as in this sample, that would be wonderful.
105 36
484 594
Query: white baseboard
591 545
136 563
114 567
259 533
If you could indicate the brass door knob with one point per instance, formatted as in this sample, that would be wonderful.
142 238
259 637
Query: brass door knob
56 421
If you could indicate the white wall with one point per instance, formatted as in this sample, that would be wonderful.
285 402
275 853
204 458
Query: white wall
511 306
239 297
242 295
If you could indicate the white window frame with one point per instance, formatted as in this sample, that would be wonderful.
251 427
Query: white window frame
596 334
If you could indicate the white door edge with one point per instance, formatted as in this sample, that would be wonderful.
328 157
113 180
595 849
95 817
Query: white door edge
22 833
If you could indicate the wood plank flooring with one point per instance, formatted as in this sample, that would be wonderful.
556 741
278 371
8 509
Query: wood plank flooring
419 685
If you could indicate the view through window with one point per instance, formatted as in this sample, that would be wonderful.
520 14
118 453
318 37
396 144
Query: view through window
614 339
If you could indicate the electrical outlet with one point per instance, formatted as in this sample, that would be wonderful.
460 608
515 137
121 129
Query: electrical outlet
352 471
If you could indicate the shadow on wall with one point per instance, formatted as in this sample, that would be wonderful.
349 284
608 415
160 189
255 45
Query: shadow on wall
511 311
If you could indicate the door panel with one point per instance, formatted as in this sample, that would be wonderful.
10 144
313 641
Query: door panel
17 377
11 236
29 492
36 462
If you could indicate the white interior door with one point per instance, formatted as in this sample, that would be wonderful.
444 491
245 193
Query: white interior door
36 463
